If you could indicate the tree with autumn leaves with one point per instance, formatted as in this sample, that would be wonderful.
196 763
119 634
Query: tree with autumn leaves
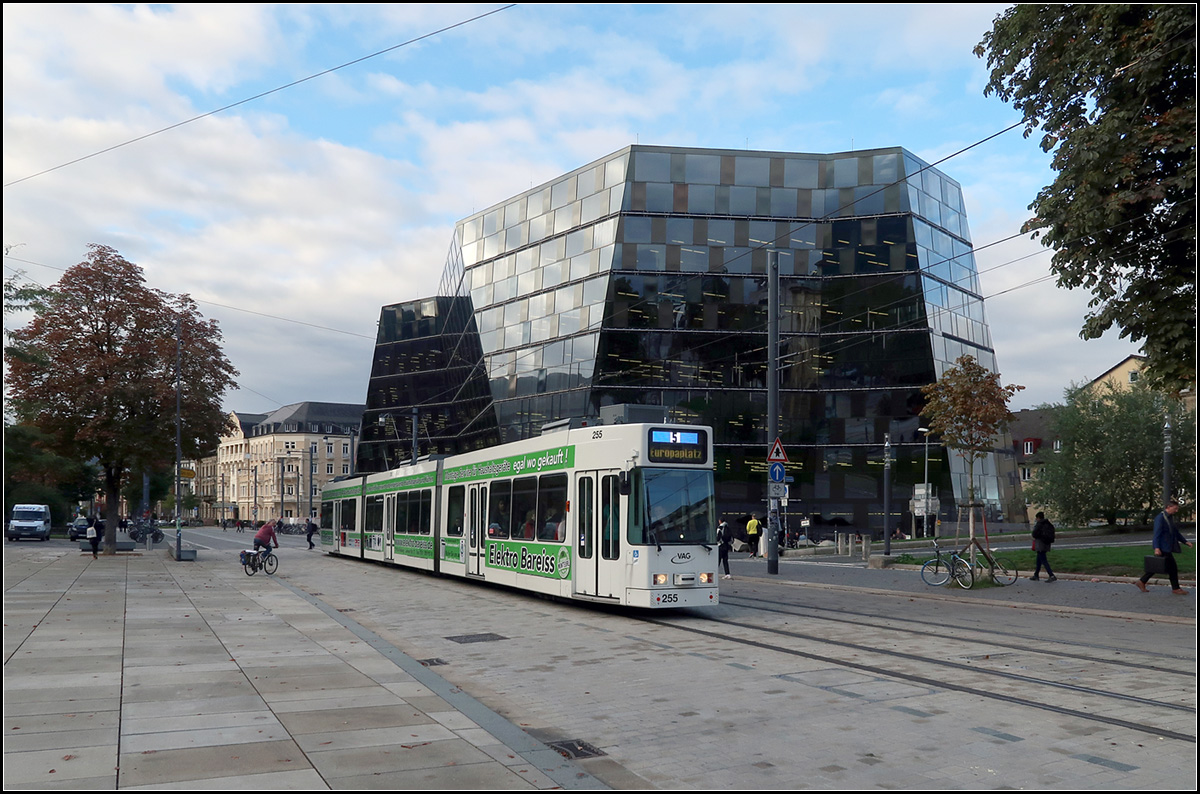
95 371
968 408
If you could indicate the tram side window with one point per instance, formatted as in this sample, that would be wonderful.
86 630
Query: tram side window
420 503
525 508
499 510
401 517
552 504
373 514
455 511
349 522
610 517
326 515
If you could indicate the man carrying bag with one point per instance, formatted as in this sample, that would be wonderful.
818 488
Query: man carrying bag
1167 541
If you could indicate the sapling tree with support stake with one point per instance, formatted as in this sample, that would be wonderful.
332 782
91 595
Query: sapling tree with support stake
968 408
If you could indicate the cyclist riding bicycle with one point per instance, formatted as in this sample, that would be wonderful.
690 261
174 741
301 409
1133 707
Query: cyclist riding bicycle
264 537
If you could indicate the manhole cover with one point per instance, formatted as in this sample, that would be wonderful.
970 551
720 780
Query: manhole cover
573 748
463 639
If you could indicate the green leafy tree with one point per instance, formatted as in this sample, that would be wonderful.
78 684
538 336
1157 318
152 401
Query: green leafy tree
100 377
968 408
34 473
1113 88
1111 460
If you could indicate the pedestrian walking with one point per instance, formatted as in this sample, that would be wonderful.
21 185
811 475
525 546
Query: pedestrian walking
753 530
94 530
724 544
1167 542
1043 539
310 530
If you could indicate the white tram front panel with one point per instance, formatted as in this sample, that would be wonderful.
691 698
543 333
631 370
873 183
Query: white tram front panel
671 555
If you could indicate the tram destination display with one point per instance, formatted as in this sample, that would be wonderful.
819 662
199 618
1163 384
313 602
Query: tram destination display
667 445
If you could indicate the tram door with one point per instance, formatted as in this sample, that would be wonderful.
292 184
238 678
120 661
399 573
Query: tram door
389 527
598 571
476 529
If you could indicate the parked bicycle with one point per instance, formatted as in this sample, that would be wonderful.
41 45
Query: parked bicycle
139 530
253 562
1001 570
940 570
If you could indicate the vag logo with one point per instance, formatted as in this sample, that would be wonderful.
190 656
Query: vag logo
681 557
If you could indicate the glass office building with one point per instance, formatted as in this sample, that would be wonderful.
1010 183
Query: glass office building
641 278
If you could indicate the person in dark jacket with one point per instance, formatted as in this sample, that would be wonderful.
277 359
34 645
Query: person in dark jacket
1043 539
724 544
1167 540
95 532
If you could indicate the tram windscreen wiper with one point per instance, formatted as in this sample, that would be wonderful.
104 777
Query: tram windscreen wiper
654 538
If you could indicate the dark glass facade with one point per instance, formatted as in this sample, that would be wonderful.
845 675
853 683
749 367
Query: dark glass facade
641 278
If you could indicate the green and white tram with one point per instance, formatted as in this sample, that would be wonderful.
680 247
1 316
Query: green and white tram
622 514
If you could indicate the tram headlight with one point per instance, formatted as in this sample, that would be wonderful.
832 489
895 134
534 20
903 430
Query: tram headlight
660 578
707 578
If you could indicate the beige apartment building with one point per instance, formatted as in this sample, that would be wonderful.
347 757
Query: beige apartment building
272 465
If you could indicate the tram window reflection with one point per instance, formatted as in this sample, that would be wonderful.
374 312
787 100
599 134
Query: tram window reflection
552 502
455 511
524 505
498 510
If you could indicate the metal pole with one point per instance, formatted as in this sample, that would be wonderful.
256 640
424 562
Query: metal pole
772 532
414 429
925 500
887 493
1166 496
178 433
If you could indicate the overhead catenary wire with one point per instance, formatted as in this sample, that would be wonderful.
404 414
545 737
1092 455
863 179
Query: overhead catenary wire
249 99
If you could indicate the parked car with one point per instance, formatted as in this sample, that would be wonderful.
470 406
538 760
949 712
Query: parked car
77 529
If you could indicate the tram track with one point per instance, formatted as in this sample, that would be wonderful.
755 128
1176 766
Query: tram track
933 629
885 657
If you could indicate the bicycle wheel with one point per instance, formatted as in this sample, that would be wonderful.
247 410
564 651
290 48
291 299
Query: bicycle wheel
251 567
1004 572
936 572
963 574
271 564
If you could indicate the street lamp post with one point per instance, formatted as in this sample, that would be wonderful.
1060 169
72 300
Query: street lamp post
925 484
1166 495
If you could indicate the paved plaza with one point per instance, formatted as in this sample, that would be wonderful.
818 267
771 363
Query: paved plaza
136 671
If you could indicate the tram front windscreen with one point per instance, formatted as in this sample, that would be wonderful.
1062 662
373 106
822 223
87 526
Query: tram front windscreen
672 507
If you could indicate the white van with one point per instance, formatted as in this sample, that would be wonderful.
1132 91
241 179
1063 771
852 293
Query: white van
29 521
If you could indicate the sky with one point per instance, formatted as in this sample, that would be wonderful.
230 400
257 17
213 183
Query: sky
300 207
